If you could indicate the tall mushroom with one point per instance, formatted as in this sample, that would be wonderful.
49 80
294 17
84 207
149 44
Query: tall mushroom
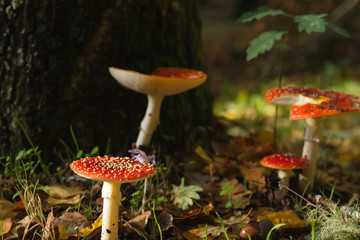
163 81
112 171
285 163
312 104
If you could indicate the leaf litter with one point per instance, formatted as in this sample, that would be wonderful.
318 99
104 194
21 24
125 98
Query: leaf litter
226 179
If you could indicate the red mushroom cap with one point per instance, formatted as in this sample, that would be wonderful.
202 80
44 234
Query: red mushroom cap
112 169
162 81
285 161
173 72
308 102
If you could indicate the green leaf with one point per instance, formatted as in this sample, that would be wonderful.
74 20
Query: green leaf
260 13
263 43
338 30
184 195
311 23
228 205
226 189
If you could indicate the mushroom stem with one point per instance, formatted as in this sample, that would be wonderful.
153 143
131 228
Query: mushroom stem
312 137
284 176
110 218
150 121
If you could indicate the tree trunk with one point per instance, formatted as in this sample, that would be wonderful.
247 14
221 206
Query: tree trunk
54 72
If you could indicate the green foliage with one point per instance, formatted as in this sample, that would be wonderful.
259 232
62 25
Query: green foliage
309 23
223 226
263 43
79 152
268 236
184 195
337 29
260 13
227 189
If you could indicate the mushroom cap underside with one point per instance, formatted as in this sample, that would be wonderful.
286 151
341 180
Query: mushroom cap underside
308 102
285 161
162 81
112 169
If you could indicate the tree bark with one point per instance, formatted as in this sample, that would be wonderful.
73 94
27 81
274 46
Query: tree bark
54 72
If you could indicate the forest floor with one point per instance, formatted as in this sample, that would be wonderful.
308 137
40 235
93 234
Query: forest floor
211 191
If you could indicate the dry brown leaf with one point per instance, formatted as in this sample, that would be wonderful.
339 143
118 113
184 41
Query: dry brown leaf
5 226
191 235
244 197
138 223
206 230
88 230
25 221
286 216
70 223
165 220
250 149
61 192
71 200
191 213
254 174
6 209
237 222
50 231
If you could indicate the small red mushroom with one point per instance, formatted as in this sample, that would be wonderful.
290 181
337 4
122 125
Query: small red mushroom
163 81
112 171
312 104
285 163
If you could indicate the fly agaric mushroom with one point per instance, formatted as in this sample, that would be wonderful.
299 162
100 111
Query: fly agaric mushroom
285 163
112 171
312 104
163 81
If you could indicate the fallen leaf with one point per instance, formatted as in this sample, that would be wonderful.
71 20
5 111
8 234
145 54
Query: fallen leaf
138 224
19 205
203 155
50 231
206 230
192 213
165 220
5 226
254 175
244 199
191 235
249 149
70 223
61 192
237 222
184 195
88 230
286 216
6 209
70 200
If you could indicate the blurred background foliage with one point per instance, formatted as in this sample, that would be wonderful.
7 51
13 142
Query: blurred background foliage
318 60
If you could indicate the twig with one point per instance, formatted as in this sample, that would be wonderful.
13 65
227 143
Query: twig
318 208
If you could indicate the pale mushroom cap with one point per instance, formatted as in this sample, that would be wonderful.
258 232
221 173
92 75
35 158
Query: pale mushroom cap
163 81
112 169
308 102
285 161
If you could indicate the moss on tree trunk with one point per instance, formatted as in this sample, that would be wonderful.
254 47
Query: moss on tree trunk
54 72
